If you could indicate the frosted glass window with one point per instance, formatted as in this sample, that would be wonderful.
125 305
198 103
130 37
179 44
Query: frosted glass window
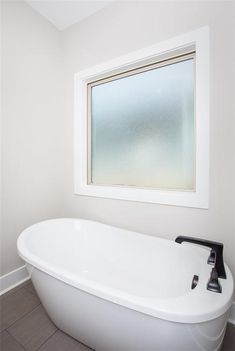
142 128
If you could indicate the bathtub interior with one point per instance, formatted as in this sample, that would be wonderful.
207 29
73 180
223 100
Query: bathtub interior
94 254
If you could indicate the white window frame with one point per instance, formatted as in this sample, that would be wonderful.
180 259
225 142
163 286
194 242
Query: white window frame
197 40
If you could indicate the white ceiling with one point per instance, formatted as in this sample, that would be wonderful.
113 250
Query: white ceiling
64 13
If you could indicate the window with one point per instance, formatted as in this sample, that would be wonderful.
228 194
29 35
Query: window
141 128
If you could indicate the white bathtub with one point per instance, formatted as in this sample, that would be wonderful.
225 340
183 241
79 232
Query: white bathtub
113 289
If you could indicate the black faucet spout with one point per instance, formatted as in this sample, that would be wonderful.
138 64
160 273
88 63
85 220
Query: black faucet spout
216 255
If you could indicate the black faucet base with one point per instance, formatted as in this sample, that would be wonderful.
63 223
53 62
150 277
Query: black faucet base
213 283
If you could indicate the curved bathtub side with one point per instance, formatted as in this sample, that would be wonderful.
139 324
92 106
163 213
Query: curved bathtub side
106 326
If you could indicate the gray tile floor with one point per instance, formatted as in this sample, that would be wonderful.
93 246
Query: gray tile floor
25 326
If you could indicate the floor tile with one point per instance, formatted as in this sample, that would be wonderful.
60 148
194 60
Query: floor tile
8 343
229 339
61 342
16 305
33 330
30 288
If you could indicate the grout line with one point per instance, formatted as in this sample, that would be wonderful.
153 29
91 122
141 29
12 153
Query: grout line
6 329
47 338
15 339
24 315
89 348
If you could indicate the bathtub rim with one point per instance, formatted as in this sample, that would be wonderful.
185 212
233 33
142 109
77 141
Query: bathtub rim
124 299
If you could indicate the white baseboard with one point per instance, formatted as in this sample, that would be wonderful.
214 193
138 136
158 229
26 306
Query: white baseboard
12 279
232 314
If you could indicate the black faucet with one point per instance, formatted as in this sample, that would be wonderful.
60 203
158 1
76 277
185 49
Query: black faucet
215 258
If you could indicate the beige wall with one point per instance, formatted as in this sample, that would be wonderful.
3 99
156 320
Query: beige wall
33 119
125 27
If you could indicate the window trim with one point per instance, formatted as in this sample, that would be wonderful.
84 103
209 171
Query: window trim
197 41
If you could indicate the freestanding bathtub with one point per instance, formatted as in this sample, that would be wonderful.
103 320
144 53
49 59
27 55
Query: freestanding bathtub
113 289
